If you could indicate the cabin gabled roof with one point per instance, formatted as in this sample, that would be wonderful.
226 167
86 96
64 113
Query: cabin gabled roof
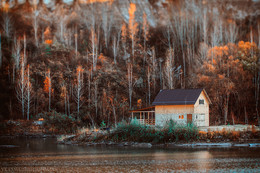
178 97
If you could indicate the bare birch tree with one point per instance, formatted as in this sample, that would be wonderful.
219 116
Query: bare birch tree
61 15
48 87
115 45
169 70
105 24
7 24
154 68
205 26
28 92
231 33
123 38
94 48
96 95
16 52
35 23
145 33
130 82
79 89
24 47
76 42
149 84
21 87
24 90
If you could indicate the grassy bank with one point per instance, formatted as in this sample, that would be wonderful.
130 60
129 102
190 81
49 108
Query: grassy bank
171 133
52 123
73 132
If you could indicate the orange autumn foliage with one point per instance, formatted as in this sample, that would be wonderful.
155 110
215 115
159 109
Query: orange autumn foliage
48 42
123 29
139 102
79 69
5 6
204 79
102 58
132 23
79 74
131 11
47 85
47 32
245 46
221 76
47 36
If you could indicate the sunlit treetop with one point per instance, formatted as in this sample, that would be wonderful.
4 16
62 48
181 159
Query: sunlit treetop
5 6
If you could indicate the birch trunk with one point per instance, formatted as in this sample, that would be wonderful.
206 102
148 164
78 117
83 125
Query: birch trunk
28 93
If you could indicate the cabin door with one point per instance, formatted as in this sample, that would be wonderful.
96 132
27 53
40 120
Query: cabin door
189 118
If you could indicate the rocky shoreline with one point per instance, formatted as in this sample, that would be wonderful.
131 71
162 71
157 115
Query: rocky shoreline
29 135
252 143
197 144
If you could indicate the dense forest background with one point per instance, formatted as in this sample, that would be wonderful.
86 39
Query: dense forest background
95 60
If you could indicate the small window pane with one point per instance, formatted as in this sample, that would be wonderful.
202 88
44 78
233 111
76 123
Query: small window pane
181 116
201 102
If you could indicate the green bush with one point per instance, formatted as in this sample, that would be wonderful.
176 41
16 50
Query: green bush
132 132
177 132
58 123
137 132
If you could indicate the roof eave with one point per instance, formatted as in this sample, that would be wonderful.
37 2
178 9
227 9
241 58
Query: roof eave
207 96
161 104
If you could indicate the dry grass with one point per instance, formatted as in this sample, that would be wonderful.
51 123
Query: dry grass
223 134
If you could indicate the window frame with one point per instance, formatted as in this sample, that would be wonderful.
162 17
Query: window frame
181 117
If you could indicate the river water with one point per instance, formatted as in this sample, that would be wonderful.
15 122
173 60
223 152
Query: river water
44 155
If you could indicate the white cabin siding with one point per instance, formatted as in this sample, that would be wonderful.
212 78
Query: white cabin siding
164 113
202 111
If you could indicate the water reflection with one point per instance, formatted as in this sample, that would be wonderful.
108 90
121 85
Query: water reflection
203 156
45 155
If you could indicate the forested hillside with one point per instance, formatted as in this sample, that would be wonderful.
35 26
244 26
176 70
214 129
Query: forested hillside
95 60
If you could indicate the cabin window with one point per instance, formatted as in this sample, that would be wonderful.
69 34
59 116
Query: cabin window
201 102
201 117
181 116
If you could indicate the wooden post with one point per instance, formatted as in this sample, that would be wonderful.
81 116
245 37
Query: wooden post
132 115
148 118
144 117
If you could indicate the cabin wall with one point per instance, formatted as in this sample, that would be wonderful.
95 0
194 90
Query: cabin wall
164 113
201 111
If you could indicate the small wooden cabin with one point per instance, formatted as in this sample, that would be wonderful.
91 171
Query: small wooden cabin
180 105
